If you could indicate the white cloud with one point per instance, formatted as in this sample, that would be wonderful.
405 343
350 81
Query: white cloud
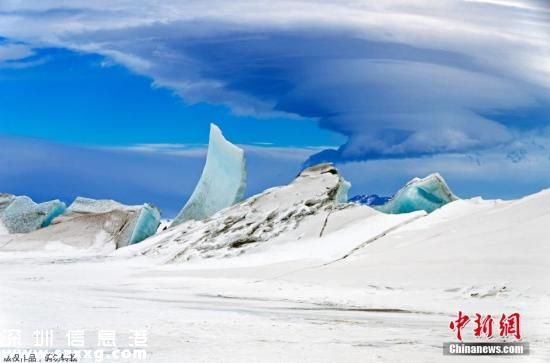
478 29
510 172
14 52
396 76
296 154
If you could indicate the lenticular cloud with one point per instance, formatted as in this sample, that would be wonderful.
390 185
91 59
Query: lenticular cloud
423 80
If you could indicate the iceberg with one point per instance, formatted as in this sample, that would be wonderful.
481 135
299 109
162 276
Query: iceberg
146 224
52 209
21 215
343 190
86 223
95 233
5 201
142 221
84 205
428 194
222 182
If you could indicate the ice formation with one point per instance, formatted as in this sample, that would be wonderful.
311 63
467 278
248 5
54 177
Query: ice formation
21 215
52 209
142 220
85 224
428 194
146 224
484 255
306 208
222 182
95 233
5 201
88 205
342 193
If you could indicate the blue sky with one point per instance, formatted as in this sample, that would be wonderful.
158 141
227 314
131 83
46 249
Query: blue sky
79 98
77 124
116 103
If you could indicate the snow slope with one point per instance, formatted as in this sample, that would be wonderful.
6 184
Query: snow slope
344 283
3 229
305 208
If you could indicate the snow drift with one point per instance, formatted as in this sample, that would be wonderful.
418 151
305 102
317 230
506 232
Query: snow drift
304 208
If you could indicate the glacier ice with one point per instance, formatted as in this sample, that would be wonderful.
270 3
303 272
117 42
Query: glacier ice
428 194
86 223
5 201
146 224
342 193
222 182
21 215
89 205
52 209
142 220
95 232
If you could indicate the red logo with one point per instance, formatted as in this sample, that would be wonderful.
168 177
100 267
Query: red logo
459 323
483 325
509 325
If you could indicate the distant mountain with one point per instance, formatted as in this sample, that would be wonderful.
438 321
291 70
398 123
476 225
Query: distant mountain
371 199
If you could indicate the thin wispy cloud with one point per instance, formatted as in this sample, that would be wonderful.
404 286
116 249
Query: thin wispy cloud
13 52
199 150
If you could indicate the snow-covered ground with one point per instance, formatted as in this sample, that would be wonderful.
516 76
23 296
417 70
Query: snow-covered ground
369 287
